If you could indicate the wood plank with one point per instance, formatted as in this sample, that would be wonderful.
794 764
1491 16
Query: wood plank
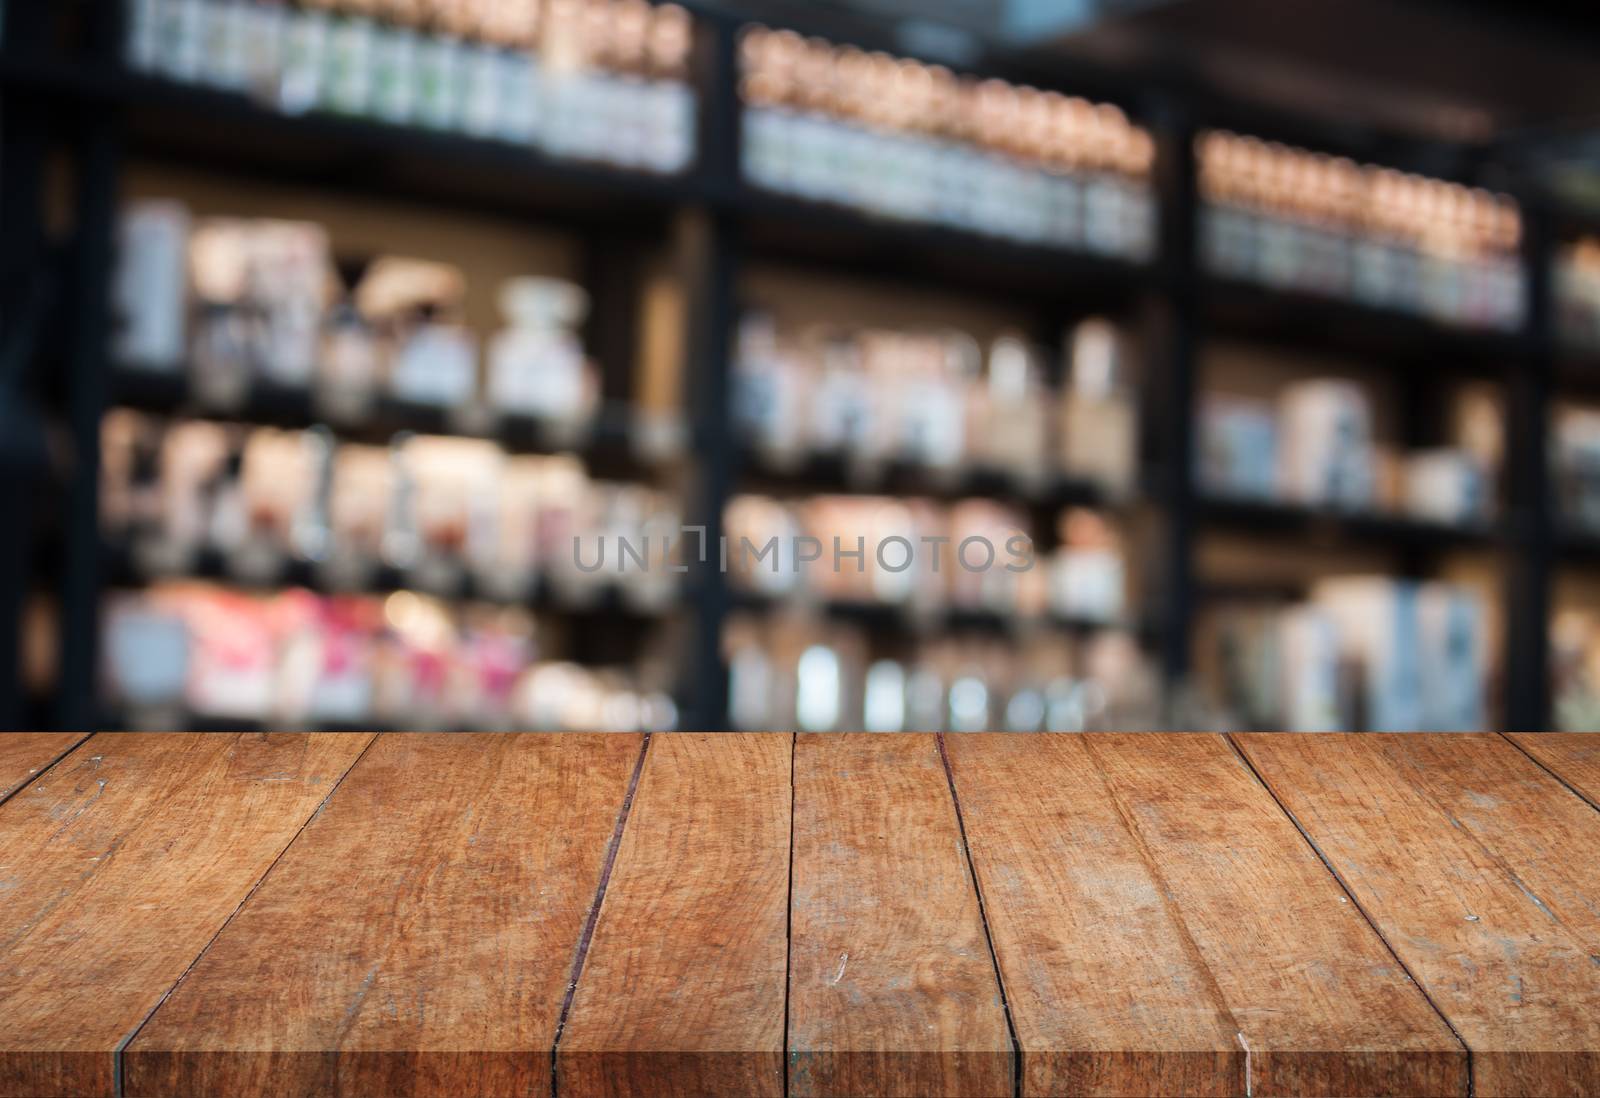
1574 757
416 940
1480 870
1162 928
118 867
24 754
682 992
891 986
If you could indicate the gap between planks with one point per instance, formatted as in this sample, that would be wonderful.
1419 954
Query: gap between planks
983 917
581 953
788 917
1548 769
117 1055
83 738
1350 896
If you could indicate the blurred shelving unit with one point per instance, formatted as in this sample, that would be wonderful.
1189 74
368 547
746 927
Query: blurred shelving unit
69 99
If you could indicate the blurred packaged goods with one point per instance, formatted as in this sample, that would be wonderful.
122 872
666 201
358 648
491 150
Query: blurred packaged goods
1303 221
795 671
926 559
938 402
1575 669
444 515
1316 446
1575 457
894 137
187 652
1577 293
1364 653
596 80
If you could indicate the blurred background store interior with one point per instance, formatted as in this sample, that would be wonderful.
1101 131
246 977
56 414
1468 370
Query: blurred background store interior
327 325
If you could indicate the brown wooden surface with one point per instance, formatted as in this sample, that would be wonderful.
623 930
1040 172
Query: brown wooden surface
418 937
24 754
1163 928
1574 757
208 915
1481 871
118 866
892 990
682 991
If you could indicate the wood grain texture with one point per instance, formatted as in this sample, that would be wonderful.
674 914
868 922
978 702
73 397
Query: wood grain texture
418 937
682 991
1480 870
24 754
892 990
1574 757
1162 928
118 867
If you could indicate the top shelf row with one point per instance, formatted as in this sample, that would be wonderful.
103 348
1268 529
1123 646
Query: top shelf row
606 114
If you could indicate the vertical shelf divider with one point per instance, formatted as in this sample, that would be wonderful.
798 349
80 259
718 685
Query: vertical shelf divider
1530 526
97 147
707 243
26 122
1172 333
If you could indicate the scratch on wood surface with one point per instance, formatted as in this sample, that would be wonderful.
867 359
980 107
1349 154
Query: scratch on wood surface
1246 1046
844 959
360 997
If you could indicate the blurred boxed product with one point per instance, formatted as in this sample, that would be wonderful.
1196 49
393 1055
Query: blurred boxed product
1316 447
1446 486
1327 445
602 80
1238 447
1421 649
1364 653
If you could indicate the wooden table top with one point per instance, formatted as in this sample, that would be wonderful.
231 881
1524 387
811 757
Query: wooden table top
770 914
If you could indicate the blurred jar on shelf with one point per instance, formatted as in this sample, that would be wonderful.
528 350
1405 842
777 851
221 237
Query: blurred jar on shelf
595 80
936 402
260 288
926 559
440 514
258 310
1309 222
896 138
795 670
1098 429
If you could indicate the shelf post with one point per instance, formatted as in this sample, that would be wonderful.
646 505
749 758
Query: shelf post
1530 524
24 459
97 152
708 254
1170 324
